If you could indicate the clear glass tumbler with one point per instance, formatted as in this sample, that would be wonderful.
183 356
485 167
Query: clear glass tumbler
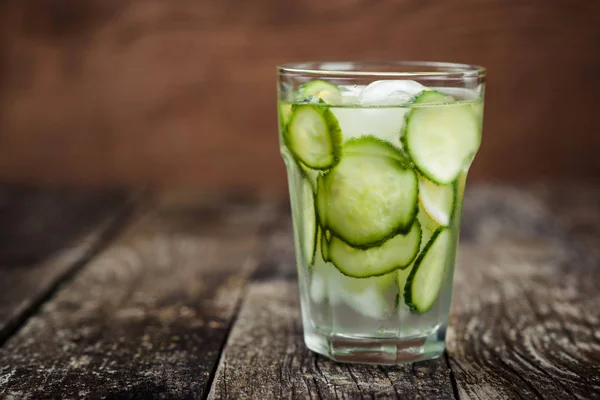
377 156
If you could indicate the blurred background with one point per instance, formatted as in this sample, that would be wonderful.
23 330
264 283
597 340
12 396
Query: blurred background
182 93
102 99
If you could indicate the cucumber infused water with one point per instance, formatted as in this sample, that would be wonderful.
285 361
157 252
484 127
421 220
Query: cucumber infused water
376 172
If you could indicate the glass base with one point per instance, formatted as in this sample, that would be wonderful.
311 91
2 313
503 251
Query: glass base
373 350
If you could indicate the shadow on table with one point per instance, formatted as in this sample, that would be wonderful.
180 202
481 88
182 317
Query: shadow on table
36 222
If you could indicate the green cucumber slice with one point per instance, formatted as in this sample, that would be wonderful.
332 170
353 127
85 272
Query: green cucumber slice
397 252
325 238
425 281
372 146
322 201
432 96
401 276
441 140
367 199
311 175
428 227
326 91
285 112
308 222
313 136
437 200
460 195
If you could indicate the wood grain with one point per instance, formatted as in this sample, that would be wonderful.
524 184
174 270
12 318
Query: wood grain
148 317
182 92
199 299
265 358
523 321
46 235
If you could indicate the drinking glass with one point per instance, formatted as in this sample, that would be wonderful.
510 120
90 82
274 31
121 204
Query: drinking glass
377 156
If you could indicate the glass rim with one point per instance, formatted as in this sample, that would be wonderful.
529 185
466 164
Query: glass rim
351 69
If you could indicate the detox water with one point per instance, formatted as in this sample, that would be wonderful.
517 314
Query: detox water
376 176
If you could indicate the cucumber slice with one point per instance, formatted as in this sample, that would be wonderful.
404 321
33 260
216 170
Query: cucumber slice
322 201
432 96
311 175
397 252
428 227
307 173
372 146
308 224
368 199
441 140
285 112
326 91
401 277
313 136
437 200
325 238
424 283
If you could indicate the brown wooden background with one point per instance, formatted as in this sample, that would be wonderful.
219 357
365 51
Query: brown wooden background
182 92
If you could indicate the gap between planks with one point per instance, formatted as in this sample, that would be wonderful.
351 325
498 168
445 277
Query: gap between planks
87 247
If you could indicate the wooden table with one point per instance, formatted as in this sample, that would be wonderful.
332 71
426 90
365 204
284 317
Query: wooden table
189 296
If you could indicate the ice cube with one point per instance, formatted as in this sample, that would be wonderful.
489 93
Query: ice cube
388 92
350 93
384 123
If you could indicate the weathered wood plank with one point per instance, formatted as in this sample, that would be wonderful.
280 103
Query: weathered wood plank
148 317
524 323
494 212
266 358
45 234
524 320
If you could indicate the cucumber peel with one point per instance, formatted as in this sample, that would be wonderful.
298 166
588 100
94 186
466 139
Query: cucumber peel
441 140
328 92
437 201
425 280
308 219
367 199
313 136
397 252
430 97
